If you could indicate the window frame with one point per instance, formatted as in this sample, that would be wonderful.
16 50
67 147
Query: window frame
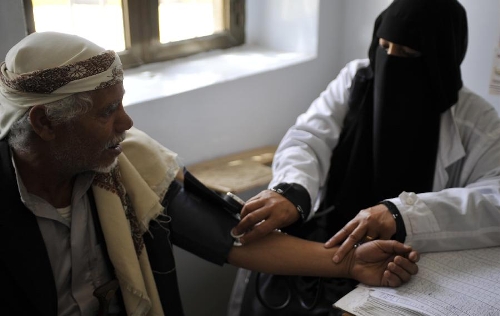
142 40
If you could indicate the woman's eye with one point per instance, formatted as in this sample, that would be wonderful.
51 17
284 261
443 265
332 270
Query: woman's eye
411 53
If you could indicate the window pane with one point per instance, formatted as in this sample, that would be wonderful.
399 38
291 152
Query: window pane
185 19
100 21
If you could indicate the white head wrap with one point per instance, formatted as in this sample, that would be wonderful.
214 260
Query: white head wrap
49 66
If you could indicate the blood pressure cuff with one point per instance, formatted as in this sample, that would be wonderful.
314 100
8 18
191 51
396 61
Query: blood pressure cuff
201 220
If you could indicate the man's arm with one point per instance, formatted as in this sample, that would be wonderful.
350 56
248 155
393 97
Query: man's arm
203 228
378 263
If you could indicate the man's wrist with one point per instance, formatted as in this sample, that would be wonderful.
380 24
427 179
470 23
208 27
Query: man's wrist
348 265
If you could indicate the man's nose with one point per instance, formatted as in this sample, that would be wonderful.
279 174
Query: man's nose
124 121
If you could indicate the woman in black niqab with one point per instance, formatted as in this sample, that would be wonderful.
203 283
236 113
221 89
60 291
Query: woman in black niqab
390 137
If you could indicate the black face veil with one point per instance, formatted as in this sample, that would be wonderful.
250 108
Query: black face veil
391 132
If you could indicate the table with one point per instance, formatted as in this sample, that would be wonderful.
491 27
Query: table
238 172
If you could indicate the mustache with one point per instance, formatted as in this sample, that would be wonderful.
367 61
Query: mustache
116 141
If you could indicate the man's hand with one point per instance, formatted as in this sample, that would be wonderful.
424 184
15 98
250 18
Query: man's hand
373 223
382 263
264 213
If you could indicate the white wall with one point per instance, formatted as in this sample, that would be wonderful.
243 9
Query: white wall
256 110
484 37
252 111
12 25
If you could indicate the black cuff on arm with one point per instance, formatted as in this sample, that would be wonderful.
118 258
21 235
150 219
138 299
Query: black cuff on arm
299 197
199 225
400 234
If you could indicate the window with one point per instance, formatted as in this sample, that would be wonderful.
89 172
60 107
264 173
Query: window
144 31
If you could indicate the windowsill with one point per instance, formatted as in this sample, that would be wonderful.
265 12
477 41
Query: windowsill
154 81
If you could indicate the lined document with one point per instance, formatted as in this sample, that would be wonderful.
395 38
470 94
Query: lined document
448 283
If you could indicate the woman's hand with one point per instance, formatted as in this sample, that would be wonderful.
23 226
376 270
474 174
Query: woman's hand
264 213
372 223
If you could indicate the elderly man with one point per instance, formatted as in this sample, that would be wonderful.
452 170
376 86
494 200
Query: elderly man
84 196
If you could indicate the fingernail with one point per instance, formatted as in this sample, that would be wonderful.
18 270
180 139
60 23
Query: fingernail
235 234
336 259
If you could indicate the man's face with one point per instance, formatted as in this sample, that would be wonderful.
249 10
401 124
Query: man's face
91 142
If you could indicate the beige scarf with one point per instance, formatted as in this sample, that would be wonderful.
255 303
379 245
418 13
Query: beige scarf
127 199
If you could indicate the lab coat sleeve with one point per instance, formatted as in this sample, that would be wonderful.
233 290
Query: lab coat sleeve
465 213
303 155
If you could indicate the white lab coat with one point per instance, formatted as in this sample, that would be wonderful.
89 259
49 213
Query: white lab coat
462 212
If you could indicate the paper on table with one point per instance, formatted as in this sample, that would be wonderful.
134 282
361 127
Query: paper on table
448 283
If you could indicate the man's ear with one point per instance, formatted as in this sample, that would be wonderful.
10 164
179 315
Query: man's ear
41 123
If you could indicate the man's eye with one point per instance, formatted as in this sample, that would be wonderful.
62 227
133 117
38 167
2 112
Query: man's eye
107 113
110 110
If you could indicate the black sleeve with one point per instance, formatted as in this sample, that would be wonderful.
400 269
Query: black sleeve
199 224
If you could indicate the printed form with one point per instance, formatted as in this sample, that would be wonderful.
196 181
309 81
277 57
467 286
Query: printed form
448 283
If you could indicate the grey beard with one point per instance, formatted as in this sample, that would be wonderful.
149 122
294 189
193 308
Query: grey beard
107 169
